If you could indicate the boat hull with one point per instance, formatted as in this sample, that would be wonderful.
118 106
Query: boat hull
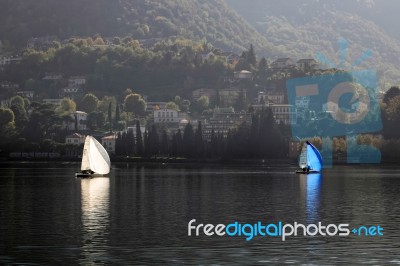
306 172
82 175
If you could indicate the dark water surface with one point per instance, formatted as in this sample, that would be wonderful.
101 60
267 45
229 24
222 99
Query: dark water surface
140 214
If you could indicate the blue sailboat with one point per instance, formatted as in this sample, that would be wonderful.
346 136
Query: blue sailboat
310 160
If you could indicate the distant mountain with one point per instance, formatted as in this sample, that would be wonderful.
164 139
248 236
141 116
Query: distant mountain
304 27
210 20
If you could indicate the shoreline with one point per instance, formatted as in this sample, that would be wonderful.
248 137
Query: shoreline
185 161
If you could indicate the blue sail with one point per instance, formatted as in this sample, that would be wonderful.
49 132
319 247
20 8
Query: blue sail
314 159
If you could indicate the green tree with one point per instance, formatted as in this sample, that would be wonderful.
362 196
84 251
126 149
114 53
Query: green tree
185 105
17 100
251 56
188 141
203 102
110 116
390 94
172 106
67 106
89 103
6 117
134 103
139 140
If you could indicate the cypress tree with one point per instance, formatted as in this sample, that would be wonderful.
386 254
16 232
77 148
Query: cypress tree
110 116
139 140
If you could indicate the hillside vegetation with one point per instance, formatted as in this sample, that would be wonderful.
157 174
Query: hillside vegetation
313 26
212 21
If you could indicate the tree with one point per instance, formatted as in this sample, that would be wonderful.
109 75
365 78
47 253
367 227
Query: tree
177 100
110 116
89 103
17 100
135 104
164 143
139 140
390 94
172 106
198 140
6 117
185 105
203 102
188 140
251 56
67 106
99 41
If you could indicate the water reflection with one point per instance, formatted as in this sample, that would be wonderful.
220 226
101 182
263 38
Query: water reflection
311 187
95 200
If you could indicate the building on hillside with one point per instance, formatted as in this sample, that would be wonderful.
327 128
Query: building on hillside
166 116
210 93
56 102
308 63
76 81
52 76
282 63
10 60
230 96
42 43
108 143
223 120
243 74
8 85
283 113
271 97
230 57
152 106
26 94
77 121
75 139
71 92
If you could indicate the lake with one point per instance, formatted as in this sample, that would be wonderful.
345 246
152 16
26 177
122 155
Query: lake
140 214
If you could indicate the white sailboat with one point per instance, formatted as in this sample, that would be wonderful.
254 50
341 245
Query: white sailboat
95 159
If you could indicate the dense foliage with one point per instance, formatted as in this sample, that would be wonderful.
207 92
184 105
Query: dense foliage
207 20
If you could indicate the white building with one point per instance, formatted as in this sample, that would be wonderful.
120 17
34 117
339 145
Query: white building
223 120
56 102
166 116
9 60
243 74
81 120
26 94
281 63
271 97
151 106
75 139
284 113
308 63
53 76
76 81
108 143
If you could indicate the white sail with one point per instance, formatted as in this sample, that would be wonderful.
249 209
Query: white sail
303 157
95 157
85 155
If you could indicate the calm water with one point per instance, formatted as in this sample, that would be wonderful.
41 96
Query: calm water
140 214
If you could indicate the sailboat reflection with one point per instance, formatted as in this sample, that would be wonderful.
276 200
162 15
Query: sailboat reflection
311 185
95 206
